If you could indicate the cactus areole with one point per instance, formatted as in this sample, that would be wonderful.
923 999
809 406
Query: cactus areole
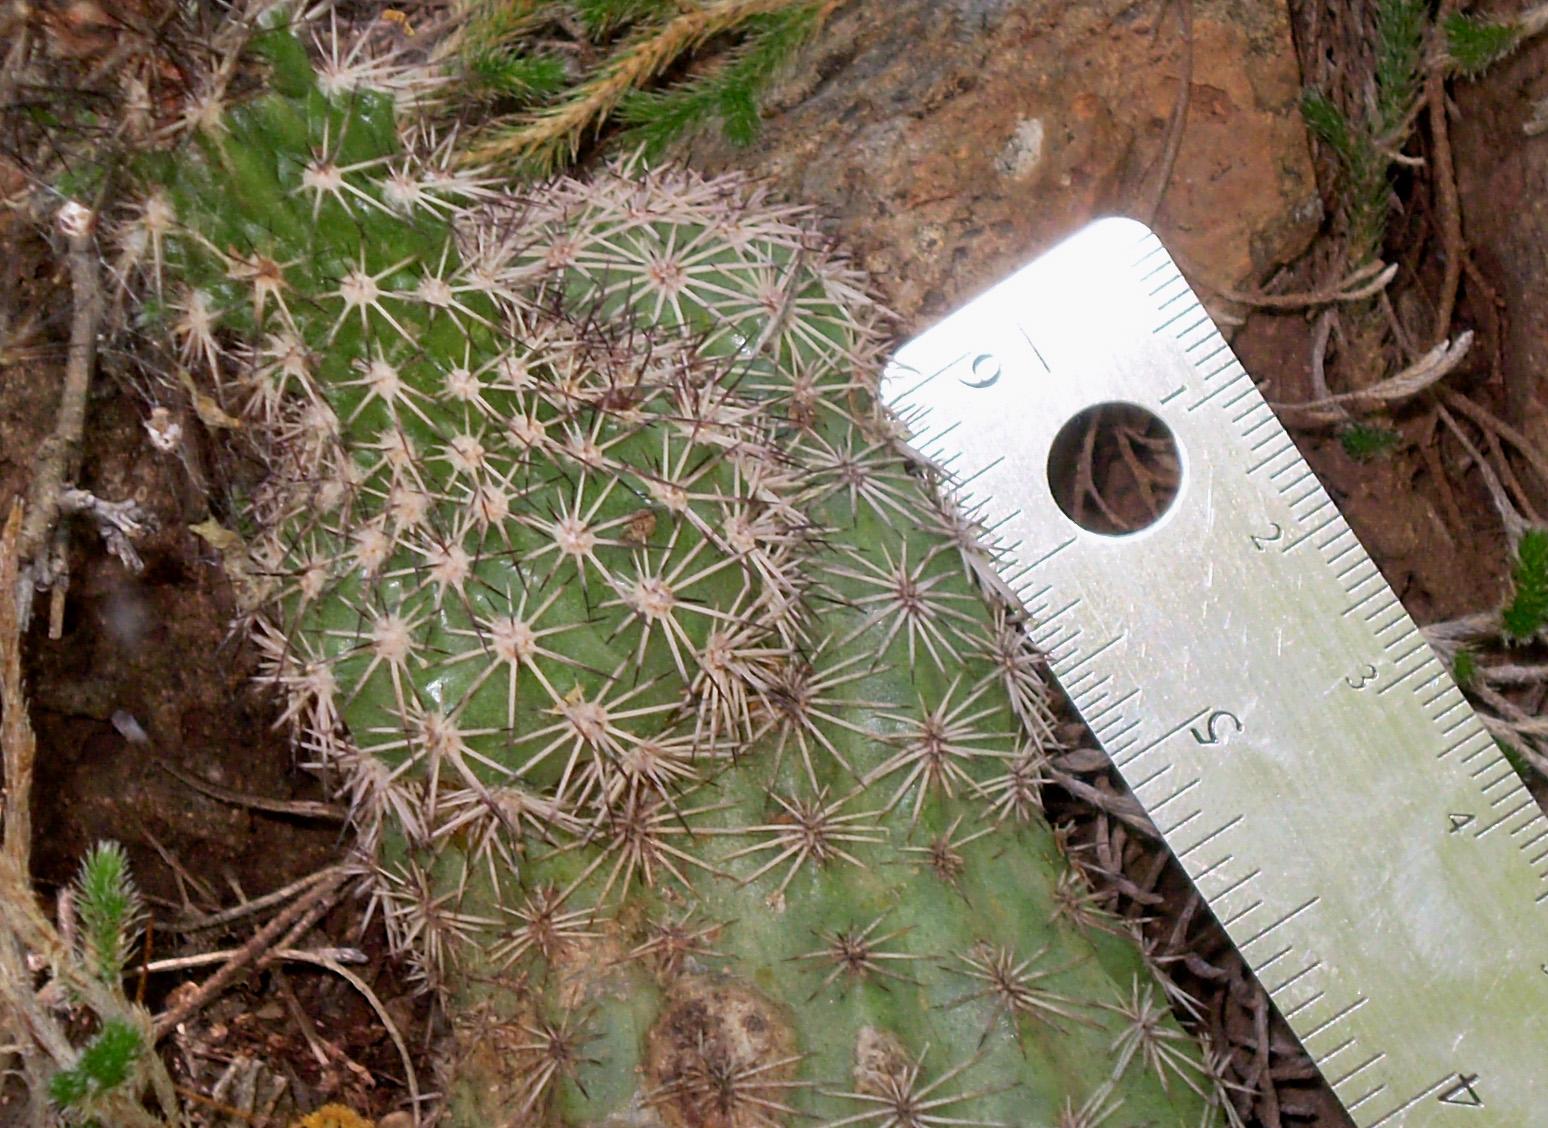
693 767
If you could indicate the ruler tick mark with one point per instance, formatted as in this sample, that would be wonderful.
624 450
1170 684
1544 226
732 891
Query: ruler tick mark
1338 1016
1211 836
1168 831
1299 1007
1358 1101
1361 1068
1507 816
1449 1079
1291 915
1233 887
1183 790
1297 977
1271 960
1239 914
1099 718
1323 1059
1255 406
1092 654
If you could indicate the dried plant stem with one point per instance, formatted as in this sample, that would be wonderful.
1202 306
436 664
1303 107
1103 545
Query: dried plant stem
1492 423
1167 162
46 1042
261 943
1447 202
1425 372
411 1078
1364 282
299 808
297 955
547 133
16 735
58 452
256 905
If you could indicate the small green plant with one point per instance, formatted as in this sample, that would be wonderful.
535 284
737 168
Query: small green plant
1527 611
1367 145
567 68
1363 146
109 916
103 1066
110 912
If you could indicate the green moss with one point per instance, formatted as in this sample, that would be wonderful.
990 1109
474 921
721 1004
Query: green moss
1365 442
1464 667
1523 617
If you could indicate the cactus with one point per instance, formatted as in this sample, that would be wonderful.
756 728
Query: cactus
694 761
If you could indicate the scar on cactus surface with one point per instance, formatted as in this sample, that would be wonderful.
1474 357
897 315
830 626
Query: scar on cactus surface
692 760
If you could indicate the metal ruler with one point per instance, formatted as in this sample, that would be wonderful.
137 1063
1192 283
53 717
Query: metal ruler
1310 762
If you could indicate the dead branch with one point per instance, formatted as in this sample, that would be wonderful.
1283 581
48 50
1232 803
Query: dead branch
16 735
1428 370
56 452
261 943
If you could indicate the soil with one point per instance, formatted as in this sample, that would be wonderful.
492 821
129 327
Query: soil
947 143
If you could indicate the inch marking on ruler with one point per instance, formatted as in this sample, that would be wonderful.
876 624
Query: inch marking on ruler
1309 760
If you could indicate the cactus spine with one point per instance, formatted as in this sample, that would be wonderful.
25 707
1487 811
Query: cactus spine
695 768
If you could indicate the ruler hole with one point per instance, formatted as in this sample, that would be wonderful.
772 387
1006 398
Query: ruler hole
1114 469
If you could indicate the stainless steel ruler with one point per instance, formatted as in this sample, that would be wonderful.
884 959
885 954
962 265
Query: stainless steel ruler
1310 762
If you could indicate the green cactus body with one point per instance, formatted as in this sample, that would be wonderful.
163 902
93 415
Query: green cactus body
692 762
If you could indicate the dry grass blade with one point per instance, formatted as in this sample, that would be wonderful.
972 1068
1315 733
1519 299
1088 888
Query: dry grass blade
553 135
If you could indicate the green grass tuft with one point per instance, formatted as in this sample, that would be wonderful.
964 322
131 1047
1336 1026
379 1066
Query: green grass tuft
525 78
659 68
1515 759
602 18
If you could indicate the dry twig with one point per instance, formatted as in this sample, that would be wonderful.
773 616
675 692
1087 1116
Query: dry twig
262 942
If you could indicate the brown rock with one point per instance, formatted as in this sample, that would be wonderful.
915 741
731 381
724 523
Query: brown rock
1502 176
950 141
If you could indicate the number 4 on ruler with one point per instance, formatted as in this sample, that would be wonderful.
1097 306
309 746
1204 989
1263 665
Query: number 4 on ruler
1463 1094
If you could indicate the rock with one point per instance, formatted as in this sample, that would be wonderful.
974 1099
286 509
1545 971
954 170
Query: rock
1502 178
950 141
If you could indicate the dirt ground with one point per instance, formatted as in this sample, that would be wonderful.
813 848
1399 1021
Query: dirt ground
145 695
